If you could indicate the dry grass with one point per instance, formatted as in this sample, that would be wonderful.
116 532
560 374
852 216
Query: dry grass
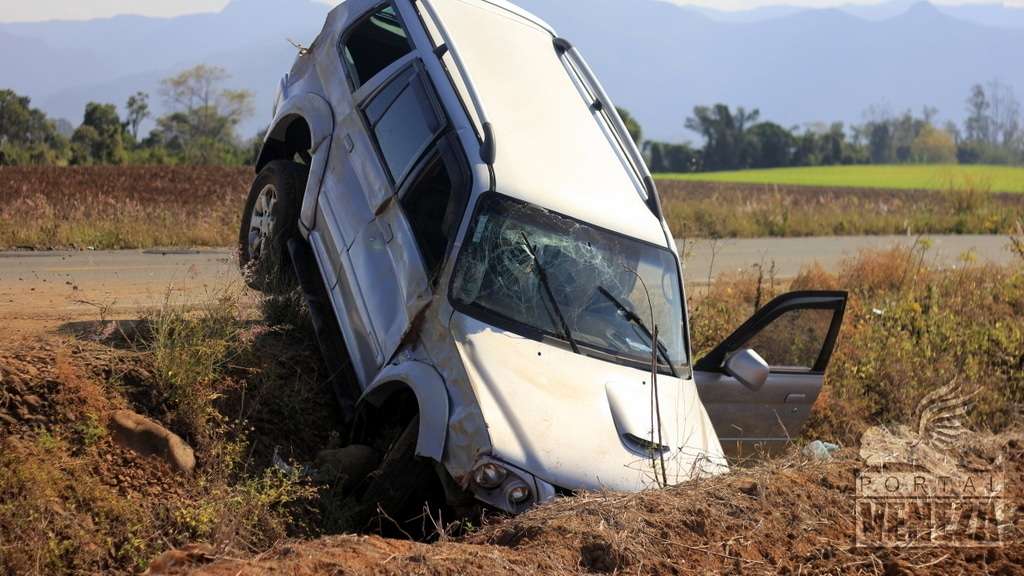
723 210
789 516
72 502
107 207
142 207
908 329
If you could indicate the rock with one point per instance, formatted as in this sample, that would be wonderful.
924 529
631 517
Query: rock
352 463
182 560
748 487
148 438
32 400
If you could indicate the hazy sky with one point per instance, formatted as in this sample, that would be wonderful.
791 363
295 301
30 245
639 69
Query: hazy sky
21 10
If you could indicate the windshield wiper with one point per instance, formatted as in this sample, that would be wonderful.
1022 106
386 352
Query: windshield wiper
639 322
542 274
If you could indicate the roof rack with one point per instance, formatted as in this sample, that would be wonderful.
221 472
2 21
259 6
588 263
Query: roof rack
565 48
488 148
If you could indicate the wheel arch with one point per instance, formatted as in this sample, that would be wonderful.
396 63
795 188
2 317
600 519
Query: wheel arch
301 123
424 383
304 125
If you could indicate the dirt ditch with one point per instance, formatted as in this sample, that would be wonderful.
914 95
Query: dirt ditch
239 386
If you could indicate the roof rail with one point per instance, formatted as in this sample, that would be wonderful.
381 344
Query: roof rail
488 148
565 48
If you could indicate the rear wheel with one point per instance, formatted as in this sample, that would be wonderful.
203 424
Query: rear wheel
270 219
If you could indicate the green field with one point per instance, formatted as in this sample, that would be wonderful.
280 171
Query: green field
902 177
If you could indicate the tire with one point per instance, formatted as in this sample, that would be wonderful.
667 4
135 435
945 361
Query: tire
270 219
395 493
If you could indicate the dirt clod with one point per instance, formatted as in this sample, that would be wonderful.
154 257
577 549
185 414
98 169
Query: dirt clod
148 438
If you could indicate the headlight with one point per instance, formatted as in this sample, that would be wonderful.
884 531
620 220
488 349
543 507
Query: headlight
489 475
518 494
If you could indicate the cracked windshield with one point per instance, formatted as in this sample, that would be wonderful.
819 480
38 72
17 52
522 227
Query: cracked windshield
530 270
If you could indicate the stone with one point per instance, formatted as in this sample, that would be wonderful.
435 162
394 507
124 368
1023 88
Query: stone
148 438
351 464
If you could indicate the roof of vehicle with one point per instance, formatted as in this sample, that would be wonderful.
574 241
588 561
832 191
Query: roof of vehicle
551 148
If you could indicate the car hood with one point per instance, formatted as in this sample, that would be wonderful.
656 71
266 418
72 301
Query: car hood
582 423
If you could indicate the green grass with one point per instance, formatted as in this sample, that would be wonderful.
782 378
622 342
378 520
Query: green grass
902 177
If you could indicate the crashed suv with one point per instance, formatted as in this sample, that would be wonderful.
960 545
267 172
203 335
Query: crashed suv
489 270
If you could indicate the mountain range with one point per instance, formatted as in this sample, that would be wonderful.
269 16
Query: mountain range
656 58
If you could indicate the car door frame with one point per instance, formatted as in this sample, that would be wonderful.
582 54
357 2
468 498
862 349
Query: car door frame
390 224
741 415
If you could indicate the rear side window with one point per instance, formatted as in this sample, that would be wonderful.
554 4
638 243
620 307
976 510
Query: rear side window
374 44
433 206
404 121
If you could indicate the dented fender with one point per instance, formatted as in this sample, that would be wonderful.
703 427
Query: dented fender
428 387
317 113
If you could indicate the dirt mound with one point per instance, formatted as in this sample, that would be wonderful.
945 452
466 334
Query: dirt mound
786 517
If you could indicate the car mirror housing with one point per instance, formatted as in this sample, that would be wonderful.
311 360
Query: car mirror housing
748 367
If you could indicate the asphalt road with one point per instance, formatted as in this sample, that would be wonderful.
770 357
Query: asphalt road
55 287
704 258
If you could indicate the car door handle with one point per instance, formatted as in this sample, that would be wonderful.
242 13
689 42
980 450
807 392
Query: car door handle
387 233
796 399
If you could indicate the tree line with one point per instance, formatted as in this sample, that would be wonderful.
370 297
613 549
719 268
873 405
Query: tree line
200 127
737 139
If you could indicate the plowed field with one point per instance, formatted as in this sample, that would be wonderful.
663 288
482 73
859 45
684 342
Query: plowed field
112 207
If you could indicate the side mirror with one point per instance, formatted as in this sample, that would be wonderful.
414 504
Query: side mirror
748 367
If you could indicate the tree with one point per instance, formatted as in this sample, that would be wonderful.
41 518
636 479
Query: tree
635 131
977 127
665 157
100 138
772 145
204 115
1004 115
833 145
27 136
934 146
724 132
138 111
880 142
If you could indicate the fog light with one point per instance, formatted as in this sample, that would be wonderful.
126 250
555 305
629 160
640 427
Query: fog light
489 475
518 494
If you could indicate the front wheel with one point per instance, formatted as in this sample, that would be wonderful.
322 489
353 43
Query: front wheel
398 493
270 219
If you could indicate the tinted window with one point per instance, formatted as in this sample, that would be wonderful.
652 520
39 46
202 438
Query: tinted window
404 121
374 44
433 208
793 340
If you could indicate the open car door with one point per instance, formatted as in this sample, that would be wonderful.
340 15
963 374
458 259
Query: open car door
759 384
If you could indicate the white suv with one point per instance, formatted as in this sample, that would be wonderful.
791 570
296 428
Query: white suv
491 277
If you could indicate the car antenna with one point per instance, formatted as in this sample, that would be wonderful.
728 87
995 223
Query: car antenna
656 430
298 46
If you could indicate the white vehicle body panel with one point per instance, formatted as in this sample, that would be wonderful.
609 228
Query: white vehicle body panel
563 416
484 394
552 149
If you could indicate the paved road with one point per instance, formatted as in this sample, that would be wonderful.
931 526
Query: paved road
791 254
62 286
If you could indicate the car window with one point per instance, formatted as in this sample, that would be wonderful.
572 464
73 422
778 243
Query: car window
433 205
404 121
794 340
374 44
